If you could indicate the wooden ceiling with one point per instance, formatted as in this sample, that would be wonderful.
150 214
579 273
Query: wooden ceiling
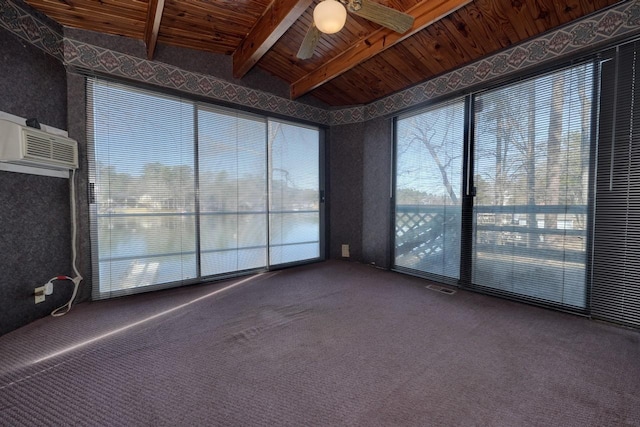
361 63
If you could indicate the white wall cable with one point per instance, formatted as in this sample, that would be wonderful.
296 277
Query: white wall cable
78 277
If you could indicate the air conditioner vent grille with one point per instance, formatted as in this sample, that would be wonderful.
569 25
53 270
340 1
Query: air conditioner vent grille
63 153
36 148
50 148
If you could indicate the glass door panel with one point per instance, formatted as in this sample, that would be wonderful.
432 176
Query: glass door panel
429 156
233 202
143 171
294 193
531 173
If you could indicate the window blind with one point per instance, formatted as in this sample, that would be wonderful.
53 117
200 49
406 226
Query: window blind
531 174
233 191
186 191
142 169
294 202
428 208
616 260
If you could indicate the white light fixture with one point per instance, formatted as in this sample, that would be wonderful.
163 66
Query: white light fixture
329 16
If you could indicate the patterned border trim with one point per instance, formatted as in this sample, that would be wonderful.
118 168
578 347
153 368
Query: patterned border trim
29 28
118 64
102 60
621 20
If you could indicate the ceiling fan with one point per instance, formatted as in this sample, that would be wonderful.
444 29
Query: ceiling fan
329 17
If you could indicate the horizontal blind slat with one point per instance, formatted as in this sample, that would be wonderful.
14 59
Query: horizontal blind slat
616 282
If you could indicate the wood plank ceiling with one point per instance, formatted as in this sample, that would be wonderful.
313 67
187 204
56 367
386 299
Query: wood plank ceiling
361 63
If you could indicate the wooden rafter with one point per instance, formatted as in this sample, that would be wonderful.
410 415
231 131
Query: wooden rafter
425 13
276 20
152 26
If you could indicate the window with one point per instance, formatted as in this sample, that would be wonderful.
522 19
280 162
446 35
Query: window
507 211
144 223
429 190
532 149
294 213
186 191
233 192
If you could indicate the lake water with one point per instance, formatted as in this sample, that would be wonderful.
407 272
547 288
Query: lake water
145 250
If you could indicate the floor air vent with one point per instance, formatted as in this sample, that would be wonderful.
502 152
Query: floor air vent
441 289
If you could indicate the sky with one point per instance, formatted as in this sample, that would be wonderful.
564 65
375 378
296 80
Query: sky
444 124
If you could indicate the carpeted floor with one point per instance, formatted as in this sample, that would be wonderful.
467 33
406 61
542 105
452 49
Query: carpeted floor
328 344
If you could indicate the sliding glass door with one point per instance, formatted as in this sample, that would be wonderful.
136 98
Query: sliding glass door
294 202
232 171
185 191
507 209
144 226
532 146
429 148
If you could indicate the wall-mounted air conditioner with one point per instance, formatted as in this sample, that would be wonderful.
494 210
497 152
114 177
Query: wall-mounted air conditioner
28 146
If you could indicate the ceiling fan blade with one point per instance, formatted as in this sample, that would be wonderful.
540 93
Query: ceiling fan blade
309 43
398 21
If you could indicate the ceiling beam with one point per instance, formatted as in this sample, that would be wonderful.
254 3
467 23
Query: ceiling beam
276 20
152 26
425 13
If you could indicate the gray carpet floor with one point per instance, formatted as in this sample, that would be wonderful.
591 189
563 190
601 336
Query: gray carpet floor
329 344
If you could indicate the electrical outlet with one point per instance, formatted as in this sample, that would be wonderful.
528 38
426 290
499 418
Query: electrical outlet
39 293
345 251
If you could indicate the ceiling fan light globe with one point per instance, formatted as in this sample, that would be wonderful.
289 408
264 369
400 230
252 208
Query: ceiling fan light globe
329 16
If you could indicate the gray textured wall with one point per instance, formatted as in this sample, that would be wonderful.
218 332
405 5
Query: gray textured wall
346 144
34 210
32 83
376 192
359 190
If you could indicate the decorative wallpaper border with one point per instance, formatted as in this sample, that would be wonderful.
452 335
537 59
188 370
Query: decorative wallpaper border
31 29
622 20
102 60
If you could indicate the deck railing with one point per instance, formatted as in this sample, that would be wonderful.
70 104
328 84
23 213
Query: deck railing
422 231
